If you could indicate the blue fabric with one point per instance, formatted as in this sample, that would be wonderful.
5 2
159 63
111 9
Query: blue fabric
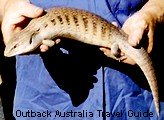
66 80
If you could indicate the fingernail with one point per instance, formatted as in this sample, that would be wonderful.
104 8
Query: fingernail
115 24
102 49
38 9
57 41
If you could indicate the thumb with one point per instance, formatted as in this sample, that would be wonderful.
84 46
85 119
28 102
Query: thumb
29 10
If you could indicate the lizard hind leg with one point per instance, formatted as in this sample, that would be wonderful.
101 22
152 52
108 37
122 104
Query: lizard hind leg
115 51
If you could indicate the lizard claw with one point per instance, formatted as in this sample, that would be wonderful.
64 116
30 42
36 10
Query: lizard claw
121 58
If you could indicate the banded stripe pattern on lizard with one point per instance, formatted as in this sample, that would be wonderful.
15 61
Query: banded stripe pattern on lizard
85 27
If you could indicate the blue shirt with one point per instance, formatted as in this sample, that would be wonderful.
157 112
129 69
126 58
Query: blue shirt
64 83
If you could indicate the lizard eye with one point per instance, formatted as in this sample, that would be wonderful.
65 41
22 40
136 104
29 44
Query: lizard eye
15 46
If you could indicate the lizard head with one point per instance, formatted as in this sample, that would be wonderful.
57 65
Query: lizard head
22 42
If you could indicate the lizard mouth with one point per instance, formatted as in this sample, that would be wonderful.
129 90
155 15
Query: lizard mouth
9 53
13 51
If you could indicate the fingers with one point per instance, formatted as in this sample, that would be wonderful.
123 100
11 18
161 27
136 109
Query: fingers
48 43
32 11
43 48
135 27
22 8
138 25
16 12
123 58
106 51
0 79
151 40
136 36
8 26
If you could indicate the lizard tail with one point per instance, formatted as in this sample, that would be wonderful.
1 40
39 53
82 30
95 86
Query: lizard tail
142 59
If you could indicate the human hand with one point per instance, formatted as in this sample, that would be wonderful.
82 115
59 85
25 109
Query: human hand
15 16
143 23
139 25
123 58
